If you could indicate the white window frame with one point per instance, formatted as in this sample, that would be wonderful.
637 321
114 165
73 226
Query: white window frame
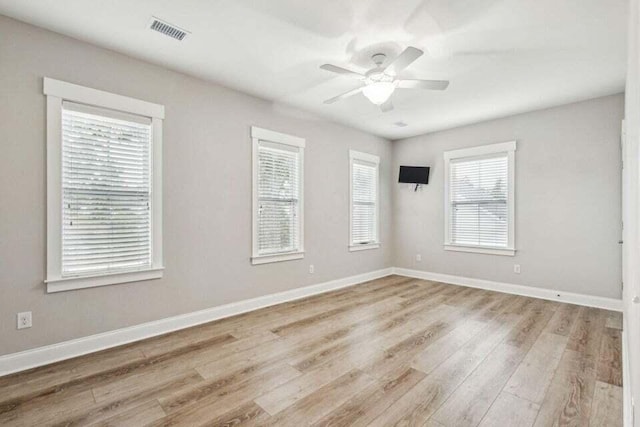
504 147
56 92
369 158
257 135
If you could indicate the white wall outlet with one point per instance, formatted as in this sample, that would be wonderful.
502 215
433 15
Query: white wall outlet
418 257
311 269
516 268
24 320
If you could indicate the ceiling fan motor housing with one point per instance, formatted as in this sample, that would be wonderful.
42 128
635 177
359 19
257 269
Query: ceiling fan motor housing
378 75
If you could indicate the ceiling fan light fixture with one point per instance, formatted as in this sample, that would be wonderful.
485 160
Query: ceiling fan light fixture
379 92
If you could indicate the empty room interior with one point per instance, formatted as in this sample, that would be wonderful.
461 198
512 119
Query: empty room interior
336 213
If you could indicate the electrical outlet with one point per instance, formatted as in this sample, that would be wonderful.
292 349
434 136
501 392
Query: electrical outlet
418 257
24 320
516 268
311 269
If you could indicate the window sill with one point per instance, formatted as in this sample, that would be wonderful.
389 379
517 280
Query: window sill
355 248
266 259
480 250
71 283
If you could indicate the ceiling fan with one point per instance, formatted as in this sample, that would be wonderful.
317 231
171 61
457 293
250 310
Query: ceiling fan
380 82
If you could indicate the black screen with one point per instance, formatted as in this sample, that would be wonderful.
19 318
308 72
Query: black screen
414 174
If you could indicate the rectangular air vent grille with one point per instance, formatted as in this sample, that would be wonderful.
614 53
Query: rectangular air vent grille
168 29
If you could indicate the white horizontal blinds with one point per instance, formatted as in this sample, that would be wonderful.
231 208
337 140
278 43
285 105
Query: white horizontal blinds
479 201
364 195
278 198
106 191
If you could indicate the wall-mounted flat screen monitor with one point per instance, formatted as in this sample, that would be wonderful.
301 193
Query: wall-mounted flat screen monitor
414 174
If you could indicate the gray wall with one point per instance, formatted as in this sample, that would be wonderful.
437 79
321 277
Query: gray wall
568 214
207 193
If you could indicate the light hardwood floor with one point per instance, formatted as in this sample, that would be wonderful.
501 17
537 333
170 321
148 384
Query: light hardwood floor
393 351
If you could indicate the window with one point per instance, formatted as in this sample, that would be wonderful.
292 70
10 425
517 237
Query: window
104 188
277 196
479 199
364 201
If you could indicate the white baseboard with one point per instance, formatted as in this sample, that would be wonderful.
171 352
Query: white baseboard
40 356
528 291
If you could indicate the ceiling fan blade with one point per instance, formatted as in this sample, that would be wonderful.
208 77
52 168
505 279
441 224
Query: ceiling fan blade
386 106
343 96
343 71
423 84
403 60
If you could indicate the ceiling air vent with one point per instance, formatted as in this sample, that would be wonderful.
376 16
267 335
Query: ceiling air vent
167 29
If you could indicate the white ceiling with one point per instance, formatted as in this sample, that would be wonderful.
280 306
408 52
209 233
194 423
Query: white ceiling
501 56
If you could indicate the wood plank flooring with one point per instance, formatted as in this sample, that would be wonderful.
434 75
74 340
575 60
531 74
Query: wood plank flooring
393 351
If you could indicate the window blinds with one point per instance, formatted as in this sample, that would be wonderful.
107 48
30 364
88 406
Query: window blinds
278 198
106 191
364 194
478 196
